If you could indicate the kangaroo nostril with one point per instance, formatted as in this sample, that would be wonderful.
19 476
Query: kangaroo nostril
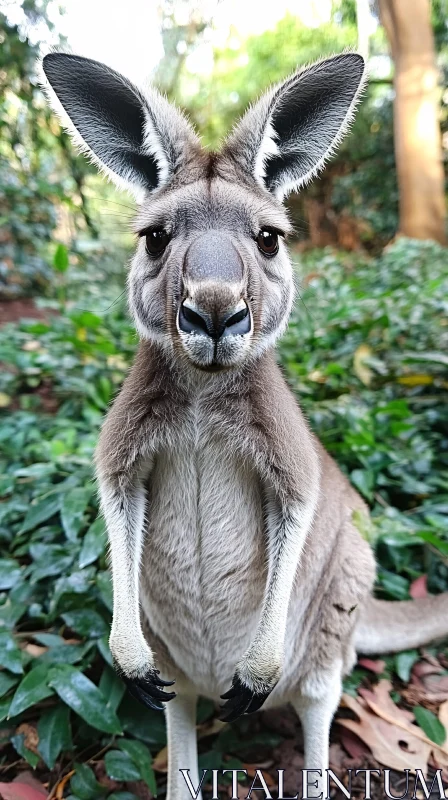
239 323
214 324
192 322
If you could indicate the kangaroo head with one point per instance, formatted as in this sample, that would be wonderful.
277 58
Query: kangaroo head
210 279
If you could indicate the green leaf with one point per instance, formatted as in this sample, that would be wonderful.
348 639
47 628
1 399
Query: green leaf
60 258
120 766
395 585
149 727
112 688
49 560
10 613
7 682
10 655
66 653
40 512
404 663
103 647
142 759
18 742
31 690
49 639
204 710
104 584
430 725
86 622
75 582
122 796
364 481
5 702
10 573
54 733
78 692
93 544
84 784
436 541
352 682
73 507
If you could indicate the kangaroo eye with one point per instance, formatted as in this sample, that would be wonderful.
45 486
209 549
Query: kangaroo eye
267 242
156 241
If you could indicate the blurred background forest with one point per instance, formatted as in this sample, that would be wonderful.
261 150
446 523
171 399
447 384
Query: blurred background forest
366 352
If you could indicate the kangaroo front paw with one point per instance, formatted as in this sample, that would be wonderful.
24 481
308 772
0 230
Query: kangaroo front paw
134 662
148 689
241 699
249 690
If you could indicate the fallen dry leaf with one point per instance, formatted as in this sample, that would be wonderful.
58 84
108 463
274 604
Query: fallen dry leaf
21 791
210 728
438 685
425 667
160 762
61 785
30 780
427 687
418 588
390 733
354 746
360 368
430 658
338 757
393 746
380 701
375 666
417 695
139 789
34 650
31 736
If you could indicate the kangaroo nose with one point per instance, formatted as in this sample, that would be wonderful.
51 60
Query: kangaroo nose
235 322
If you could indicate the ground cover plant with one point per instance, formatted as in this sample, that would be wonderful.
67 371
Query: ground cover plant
366 353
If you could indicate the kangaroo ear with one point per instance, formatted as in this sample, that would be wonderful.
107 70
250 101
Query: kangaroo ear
286 137
137 138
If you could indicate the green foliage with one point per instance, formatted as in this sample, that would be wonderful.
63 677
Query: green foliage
39 173
366 354
430 725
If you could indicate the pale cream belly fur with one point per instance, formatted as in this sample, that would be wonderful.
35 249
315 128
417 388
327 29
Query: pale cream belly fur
204 563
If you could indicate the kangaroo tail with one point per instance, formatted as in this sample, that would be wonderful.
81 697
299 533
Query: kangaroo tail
388 627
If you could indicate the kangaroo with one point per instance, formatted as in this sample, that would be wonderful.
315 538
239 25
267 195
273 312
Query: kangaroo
237 569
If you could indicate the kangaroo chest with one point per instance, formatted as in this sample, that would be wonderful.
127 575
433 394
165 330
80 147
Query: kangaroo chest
204 563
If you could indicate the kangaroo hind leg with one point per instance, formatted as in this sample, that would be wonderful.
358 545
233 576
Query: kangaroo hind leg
315 705
182 748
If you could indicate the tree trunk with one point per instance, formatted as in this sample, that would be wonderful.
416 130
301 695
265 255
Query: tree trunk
418 151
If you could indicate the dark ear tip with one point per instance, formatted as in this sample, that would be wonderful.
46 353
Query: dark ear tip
354 60
51 61
54 61
358 60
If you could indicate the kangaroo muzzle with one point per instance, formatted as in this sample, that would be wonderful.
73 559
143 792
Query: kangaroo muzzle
236 322
214 319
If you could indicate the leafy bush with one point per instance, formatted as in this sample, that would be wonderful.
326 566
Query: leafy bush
365 352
